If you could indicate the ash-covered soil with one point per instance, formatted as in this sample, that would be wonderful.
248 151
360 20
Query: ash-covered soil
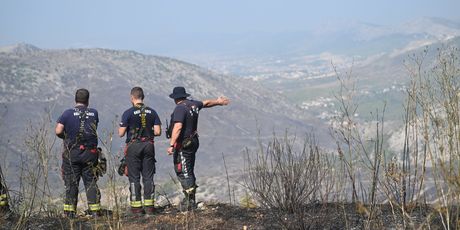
224 216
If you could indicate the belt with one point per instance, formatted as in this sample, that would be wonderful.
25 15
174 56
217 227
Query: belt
143 139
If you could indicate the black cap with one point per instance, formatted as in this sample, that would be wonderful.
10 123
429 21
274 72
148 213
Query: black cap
179 92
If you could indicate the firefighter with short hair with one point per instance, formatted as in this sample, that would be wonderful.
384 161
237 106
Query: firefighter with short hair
77 127
184 141
141 124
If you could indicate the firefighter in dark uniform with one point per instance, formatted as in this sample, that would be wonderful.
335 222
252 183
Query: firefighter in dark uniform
142 124
4 207
184 140
77 126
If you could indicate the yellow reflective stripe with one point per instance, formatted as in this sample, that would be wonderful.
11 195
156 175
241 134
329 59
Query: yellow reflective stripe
190 190
94 207
3 200
69 207
136 204
149 202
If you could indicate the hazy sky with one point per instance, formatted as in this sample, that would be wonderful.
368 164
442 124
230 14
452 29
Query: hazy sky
153 26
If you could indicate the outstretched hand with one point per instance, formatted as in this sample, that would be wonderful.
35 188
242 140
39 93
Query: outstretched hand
222 100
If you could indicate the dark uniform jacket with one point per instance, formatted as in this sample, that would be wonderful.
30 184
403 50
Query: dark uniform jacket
131 119
72 118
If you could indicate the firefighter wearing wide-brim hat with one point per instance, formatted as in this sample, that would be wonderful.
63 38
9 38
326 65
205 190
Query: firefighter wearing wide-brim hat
77 126
184 141
142 124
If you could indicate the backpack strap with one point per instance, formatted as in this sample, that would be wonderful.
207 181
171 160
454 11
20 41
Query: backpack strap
189 106
143 121
137 133
82 117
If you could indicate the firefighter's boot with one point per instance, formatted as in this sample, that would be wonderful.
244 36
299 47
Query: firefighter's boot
189 202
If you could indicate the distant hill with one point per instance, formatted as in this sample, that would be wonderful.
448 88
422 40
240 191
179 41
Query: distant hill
356 41
303 70
33 81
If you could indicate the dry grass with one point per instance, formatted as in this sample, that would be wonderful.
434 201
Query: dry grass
224 216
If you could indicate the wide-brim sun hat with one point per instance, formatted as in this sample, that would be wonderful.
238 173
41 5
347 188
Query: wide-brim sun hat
179 92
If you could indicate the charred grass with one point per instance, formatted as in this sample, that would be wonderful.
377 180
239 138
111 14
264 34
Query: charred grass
224 216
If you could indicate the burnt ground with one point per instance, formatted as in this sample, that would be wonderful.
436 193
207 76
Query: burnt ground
224 216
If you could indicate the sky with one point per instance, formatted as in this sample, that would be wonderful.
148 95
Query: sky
156 27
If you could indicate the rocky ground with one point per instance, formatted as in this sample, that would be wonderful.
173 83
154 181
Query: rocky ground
223 216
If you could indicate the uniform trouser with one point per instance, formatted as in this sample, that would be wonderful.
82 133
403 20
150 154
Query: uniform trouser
140 159
184 165
78 164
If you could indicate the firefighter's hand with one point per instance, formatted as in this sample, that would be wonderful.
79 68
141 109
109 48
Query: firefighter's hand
223 100
170 150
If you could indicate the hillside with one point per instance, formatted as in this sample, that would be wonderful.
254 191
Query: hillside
34 82
312 82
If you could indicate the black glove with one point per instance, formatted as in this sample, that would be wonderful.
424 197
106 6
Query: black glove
61 135
168 131
122 167
101 168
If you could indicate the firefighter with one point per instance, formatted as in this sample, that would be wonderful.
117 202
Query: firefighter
141 124
184 141
77 127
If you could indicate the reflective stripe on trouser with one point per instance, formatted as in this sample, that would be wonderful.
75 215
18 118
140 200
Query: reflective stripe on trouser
3 192
70 207
3 200
94 207
80 164
149 202
140 158
136 204
190 193
184 165
190 190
